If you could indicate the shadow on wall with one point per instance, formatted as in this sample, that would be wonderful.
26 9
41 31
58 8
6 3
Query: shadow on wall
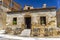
58 17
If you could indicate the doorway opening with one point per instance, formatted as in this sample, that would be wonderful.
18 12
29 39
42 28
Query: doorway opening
28 22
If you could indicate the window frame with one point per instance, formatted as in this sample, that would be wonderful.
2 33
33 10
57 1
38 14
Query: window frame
43 20
15 21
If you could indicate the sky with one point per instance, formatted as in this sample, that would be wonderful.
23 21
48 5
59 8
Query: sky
39 3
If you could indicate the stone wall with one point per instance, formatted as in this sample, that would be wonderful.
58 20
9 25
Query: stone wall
2 20
51 21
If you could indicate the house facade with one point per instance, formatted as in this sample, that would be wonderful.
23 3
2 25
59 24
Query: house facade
40 21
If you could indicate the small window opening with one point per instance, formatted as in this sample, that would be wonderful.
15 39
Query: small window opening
43 20
14 21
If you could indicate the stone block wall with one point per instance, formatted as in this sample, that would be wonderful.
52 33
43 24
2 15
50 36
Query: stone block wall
51 21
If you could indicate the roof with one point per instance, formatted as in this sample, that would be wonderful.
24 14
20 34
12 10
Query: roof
13 6
36 9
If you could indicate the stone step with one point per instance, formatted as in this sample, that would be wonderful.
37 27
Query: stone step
25 32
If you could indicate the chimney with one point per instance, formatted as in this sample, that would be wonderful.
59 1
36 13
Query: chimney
44 6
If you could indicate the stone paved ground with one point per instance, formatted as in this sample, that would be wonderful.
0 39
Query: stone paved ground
7 39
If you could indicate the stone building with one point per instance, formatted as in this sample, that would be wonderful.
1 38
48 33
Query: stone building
41 21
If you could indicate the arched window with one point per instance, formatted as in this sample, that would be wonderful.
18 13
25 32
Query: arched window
28 8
